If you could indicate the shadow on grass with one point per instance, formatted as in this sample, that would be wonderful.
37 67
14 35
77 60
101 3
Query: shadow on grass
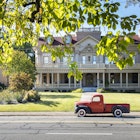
57 96
48 103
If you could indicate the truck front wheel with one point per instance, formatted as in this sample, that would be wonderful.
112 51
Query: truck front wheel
117 113
81 113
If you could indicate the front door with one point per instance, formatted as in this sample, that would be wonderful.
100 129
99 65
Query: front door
89 80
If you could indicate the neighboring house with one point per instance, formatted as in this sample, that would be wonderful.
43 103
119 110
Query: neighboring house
97 71
3 79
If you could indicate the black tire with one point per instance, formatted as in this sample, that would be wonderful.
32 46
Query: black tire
81 113
117 113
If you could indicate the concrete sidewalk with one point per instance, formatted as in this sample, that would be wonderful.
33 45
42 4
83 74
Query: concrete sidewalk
132 114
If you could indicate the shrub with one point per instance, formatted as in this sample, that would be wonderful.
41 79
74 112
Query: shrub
6 97
20 81
78 90
10 97
101 90
19 95
31 96
2 86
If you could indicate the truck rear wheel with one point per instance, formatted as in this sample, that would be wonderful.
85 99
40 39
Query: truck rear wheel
117 113
81 113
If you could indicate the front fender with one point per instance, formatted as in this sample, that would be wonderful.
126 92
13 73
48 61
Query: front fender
86 108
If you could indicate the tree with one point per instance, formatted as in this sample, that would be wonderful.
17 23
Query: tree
18 62
23 21
28 49
132 2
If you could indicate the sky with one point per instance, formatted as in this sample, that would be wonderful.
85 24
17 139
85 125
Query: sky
130 10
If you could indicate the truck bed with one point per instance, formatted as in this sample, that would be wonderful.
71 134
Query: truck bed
108 107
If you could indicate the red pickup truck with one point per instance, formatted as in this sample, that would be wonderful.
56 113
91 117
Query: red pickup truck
95 104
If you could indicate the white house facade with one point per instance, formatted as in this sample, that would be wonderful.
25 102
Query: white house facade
97 71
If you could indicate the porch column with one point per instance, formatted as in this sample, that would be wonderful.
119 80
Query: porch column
109 79
58 80
48 78
52 79
98 80
80 83
37 79
69 82
74 83
40 79
120 79
139 80
126 79
103 80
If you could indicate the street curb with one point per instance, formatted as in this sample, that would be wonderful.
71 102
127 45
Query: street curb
132 114
36 113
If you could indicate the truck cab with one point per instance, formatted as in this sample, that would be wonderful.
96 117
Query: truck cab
97 104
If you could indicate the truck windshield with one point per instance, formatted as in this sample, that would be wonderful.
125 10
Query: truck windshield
86 97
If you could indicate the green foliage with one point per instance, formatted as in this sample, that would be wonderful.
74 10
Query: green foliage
9 97
31 96
2 86
24 21
115 47
79 90
74 71
20 81
100 90
18 62
6 97
19 95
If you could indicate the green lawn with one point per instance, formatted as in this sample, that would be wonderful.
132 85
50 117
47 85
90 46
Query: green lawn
52 101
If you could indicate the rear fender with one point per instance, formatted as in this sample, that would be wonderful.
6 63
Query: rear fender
123 108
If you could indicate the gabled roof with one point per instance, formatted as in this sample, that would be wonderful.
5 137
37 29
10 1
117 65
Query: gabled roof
88 36
57 40
136 39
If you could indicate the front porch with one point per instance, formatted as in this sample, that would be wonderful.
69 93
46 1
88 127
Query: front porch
113 81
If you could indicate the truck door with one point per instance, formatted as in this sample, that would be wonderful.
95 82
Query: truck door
97 104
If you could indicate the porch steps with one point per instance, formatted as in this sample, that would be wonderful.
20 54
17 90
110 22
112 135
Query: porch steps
89 89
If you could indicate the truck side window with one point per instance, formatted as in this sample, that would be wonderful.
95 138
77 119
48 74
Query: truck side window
96 99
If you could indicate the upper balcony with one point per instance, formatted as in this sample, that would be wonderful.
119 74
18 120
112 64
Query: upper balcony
85 66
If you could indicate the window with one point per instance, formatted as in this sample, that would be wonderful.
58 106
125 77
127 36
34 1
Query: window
45 60
134 77
89 58
84 59
65 59
134 60
94 59
106 60
96 99
72 58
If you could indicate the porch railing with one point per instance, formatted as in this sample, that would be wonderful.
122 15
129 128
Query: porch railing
57 85
80 65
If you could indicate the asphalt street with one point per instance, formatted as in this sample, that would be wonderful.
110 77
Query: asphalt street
62 126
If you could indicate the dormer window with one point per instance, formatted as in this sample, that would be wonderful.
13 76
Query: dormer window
68 39
50 39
